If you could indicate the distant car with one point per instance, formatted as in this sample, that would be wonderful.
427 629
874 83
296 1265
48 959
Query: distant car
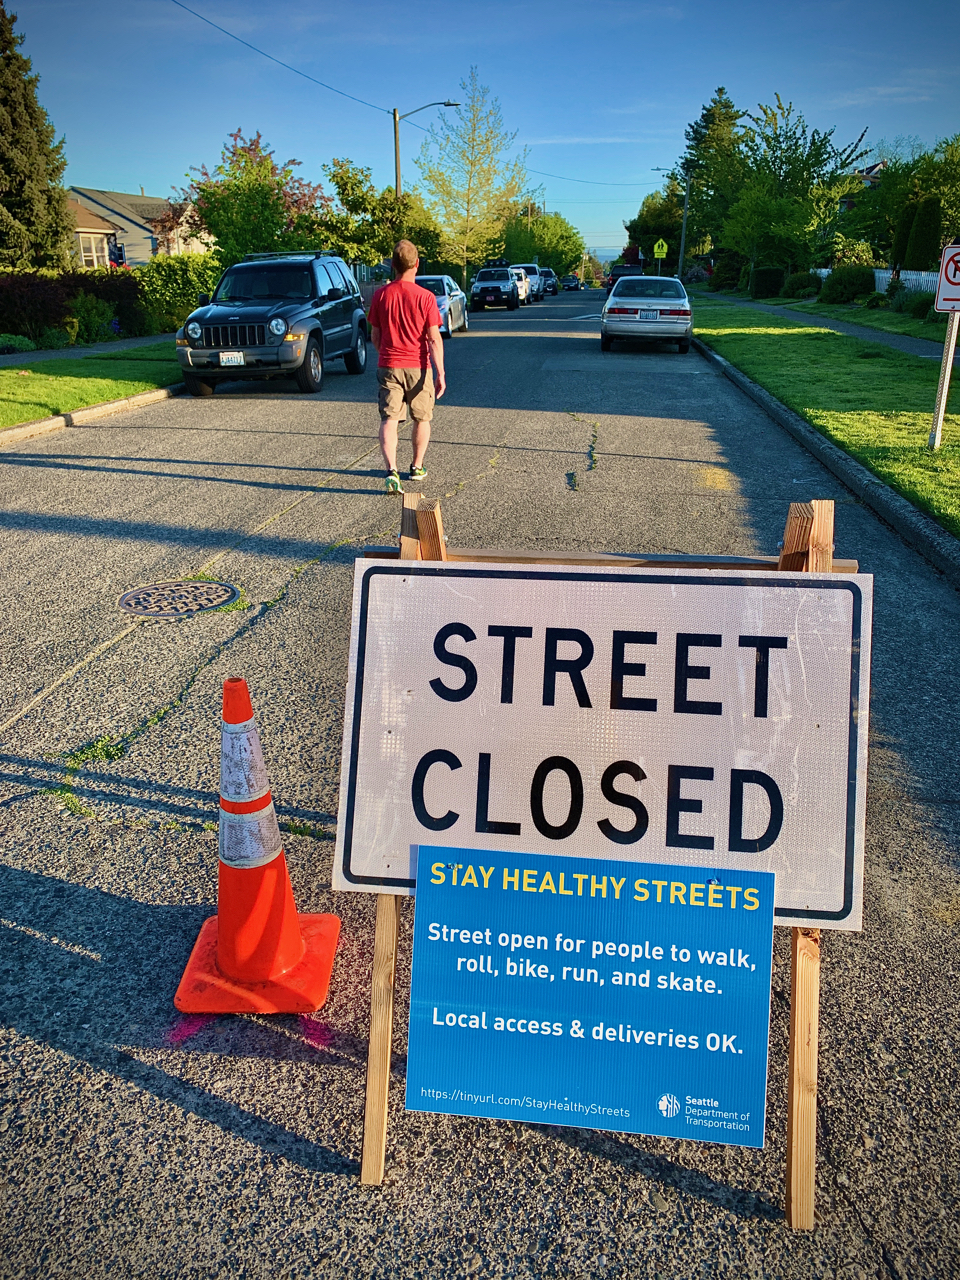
618 272
570 282
451 303
275 315
652 307
523 285
494 287
550 282
536 279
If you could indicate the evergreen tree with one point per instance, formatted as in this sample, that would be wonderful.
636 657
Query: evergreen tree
715 162
901 235
36 228
923 247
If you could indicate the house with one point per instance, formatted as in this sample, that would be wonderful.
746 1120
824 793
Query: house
96 238
146 225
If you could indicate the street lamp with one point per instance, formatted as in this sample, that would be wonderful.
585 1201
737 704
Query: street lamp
683 233
397 117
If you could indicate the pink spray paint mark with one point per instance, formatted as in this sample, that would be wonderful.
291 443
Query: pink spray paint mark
317 1034
188 1026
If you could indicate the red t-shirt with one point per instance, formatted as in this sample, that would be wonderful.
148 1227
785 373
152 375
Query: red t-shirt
404 312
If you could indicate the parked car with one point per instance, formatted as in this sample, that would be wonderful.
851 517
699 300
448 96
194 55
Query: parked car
570 282
275 315
494 287
536 279
617 273
651 307
550 282
523 285
451 303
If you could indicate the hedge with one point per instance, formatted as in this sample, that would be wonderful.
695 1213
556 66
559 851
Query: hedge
766 282
799 282
169 286
843 284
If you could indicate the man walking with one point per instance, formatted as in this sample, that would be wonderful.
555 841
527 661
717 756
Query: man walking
405 329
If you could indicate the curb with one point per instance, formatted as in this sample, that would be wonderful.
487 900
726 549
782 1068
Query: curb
918 530
79 417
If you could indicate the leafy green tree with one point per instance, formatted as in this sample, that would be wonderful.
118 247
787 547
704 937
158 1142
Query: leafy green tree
763 226
36 229
364 224
251 204
472 185
660 218
550 238
924 245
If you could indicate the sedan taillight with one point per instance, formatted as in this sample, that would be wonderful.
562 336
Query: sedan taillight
676 312
621 311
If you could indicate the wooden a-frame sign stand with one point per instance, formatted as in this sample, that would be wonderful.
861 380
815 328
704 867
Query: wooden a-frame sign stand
807 547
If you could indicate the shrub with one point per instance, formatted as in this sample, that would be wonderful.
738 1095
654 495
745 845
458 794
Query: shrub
901 234
807 293
766 282
726 273
874 300
923 247
95 318
799 283
121 290
13 343
851 253
169 286
695 275
55 339
920 304
30 303
843 284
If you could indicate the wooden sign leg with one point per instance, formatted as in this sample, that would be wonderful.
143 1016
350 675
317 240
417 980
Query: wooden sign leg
802 1091
808 547
384 961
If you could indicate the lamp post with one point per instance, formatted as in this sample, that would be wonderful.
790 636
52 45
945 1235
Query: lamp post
683 233
397 117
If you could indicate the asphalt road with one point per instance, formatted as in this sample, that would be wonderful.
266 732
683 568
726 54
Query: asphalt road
134 1142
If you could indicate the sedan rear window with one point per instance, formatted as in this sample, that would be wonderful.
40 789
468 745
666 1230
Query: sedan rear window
647 287
433 283
498 274
293 281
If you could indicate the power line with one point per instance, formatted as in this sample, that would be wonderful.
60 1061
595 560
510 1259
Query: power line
372 105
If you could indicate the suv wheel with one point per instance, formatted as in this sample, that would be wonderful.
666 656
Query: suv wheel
197 386
310 374
355 361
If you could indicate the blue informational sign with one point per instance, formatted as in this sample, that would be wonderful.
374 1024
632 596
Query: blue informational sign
604 995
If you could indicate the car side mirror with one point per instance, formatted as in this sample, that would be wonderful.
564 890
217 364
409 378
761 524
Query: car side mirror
203 300
334 295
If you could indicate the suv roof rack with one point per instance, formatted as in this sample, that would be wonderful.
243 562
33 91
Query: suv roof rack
290 253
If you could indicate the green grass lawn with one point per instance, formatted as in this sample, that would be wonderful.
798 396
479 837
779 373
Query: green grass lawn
48 387
881 318
874 402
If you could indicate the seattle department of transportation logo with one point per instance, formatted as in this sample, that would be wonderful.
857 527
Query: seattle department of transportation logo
669 1106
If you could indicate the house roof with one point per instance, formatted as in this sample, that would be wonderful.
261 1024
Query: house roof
138 209
88 221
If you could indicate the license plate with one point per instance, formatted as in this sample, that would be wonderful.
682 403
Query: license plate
231 357
491 298
649 315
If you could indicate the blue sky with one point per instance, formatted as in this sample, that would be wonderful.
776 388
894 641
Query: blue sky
598 92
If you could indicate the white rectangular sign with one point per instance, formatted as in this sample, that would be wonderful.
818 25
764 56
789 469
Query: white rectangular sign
948 285
712 717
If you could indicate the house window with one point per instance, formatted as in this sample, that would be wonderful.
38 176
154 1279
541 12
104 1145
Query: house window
93 251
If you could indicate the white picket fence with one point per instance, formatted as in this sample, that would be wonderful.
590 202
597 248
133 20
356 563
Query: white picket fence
913 281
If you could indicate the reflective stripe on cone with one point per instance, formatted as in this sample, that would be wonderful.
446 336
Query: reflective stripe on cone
249 840
243 774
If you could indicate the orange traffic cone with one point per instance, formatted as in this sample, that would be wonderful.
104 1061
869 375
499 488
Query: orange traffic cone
256 955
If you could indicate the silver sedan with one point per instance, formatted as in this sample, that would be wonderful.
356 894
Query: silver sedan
451 302
650 307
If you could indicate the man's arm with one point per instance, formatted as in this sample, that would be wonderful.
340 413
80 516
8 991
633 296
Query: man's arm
436 352
375 337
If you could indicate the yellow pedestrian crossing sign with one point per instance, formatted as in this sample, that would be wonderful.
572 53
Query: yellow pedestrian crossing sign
660 249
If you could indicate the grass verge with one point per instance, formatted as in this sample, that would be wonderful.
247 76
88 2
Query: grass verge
872 401
49 387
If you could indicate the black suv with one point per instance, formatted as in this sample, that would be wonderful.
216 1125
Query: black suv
275 315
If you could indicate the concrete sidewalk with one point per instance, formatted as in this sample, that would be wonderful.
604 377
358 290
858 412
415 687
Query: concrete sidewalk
77 353
899 342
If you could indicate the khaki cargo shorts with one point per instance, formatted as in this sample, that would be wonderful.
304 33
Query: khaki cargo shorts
402 387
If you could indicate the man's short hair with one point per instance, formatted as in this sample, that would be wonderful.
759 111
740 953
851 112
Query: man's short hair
404 256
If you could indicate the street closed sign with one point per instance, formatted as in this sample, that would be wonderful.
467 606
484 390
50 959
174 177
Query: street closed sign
703 718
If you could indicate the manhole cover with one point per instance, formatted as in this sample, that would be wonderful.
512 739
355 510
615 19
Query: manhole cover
177 599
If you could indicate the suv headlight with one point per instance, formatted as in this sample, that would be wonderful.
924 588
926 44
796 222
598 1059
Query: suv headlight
278 326
194 331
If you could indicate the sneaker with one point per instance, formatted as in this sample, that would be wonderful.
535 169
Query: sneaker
418 473
393 482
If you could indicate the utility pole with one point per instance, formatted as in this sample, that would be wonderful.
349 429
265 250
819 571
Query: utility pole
683 232
397 117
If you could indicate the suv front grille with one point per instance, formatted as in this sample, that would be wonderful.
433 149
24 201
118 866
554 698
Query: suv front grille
235 335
